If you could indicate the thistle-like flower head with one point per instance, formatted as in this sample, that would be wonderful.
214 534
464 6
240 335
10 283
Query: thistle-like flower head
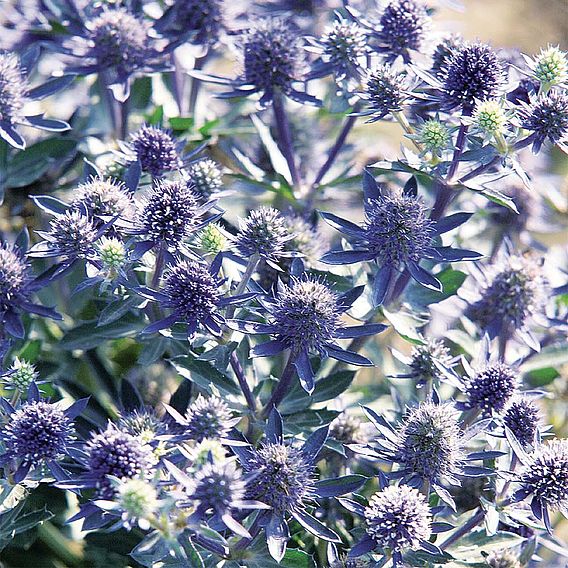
143 424
14 276
385 91
156 149
284 478
306 314
137 498
403 28
103 197
191 290
112 254
207 418
218 486
264 233
272 55
550 67
72 235
38 432
443 53
545 478
20 375
13 88
343 46
116 453
170 213
490 117
425 360
434 136
514 291
492 388
206 176
522 418
546 118
347 429
473 73
430 442
398 518
119 40
398 229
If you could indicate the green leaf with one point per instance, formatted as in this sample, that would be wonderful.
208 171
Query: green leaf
204 375
405 325
181 124
470 546
451 281
90 335
327 388
30 164
115 310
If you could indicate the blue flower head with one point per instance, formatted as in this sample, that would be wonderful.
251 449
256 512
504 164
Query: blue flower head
285 479
342 51
198 21
544 479
116 453
443 53
115 43
305 317
101 197
491 388
398 518
17 285
206 418
546 118
473 73
522 418
397 233
385 92
512 294
190 291
156 149
206 177
403 28
273 60
38 433
216 489
16 92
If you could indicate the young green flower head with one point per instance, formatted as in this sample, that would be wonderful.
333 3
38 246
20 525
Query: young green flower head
490 117
434 135
551 66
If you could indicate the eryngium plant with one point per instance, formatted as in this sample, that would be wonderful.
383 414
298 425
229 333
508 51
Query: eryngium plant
216 350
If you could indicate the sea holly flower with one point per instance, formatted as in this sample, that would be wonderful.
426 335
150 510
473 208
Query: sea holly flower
38 433
71 237
342 51
428 446
304 316
17 285
190 291
206 177
544 480
396 233
217 489
101 198
156 149
20 376
549 67
168 216
285 479
443 52
200 22
264 234
434 136
116 44
396 519
385 91
274 62
206 418
401 30
521 419
512 295
16 93
503 559
546 118
468 74
138 499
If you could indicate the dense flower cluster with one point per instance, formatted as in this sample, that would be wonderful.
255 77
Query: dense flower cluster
265 347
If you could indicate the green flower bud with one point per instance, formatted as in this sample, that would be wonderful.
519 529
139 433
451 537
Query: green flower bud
212 240
551 66
434 135
22 374
490 117
138 498
112 253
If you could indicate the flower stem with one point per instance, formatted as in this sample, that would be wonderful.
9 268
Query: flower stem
282 387
460 145
158 266
195 86
285 137
463 530
241 378
241 288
